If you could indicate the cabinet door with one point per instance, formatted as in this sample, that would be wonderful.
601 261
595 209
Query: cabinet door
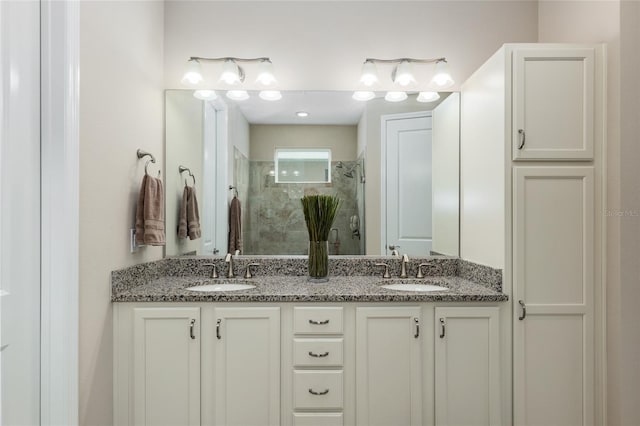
388 366
553 104
166 355
553 274
467 369
247 366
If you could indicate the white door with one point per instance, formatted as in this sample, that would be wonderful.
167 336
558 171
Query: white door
20 213
166 366
388 366
553 104
553 277
407 169
247 366
467 369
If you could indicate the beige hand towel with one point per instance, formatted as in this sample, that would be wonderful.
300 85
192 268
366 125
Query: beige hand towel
189 224
235 226
150 213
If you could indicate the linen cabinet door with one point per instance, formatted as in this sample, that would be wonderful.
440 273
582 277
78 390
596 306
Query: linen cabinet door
388 366
166 356
553 103
247 366
467 366
553 279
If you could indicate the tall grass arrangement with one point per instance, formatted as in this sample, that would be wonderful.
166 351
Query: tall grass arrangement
319 214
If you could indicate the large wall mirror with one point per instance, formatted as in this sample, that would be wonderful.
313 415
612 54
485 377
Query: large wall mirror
395 165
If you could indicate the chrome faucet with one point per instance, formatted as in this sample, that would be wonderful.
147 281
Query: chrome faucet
229 259
403 269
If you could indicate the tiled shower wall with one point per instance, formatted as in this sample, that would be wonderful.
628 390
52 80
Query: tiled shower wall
274 219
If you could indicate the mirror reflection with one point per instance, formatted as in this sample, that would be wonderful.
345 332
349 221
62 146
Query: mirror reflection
394 165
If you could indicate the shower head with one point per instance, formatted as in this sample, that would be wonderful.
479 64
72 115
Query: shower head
339 165
348 174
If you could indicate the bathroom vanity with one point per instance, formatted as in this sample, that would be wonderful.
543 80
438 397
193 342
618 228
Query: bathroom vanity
289 352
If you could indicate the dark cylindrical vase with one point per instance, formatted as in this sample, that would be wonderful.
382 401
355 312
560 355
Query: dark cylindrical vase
319 261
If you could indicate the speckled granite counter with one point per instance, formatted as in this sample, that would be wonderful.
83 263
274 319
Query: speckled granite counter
167 280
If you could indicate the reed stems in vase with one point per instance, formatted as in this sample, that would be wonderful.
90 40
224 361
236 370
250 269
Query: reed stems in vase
319 214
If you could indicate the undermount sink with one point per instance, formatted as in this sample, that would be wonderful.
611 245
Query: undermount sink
414 287
221 287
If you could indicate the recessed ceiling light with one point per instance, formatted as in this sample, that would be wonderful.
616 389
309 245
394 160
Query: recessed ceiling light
302 114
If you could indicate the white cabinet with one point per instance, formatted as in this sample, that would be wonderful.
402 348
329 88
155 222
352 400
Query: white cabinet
166 366
554 282
553 103
247 366
388 366
467 366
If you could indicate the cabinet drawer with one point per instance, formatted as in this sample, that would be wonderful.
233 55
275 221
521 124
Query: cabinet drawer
317 320
317 419
317 389
317 352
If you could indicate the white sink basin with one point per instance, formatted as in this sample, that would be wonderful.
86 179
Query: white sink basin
221 287
414 287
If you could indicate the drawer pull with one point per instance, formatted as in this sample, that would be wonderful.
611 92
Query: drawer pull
443 330
218 329
318 355
523 138
324 392
417 323
524 310
319 322
192 324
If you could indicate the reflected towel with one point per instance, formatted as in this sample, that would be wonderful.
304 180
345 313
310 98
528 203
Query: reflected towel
235 226
189 215
150 213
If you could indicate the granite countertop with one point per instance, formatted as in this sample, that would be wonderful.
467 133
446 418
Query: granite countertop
298 289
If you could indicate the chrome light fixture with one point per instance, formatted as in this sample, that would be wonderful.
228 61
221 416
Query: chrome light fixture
403 78
232 77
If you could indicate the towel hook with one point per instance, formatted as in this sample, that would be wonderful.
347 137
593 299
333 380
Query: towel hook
235 190
183 169
141 154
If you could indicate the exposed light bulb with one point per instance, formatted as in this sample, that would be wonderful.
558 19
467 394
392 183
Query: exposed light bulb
363 95
369 74
193 73
205 95
266 75
238 95
230 73
441 78
428 97
395 96
270 95
403 74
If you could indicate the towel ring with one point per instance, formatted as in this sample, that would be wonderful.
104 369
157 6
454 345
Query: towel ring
146 171
141 154
183 169
234 189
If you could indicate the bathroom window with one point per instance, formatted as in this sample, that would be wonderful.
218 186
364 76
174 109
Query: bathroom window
303 165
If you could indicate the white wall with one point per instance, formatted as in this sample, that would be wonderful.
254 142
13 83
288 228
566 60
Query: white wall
342 140
184 125
121 109
319 45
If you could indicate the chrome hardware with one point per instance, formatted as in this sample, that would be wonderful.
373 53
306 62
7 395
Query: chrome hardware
386 270
216 251
183 169
318 355
247 272
141 154
218 329
442 328
394 250
319 322
524 310
420 274
229 259
214 269
417 322
191 326
523 138
324 392
403 269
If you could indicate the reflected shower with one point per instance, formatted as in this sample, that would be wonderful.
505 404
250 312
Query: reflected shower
350 172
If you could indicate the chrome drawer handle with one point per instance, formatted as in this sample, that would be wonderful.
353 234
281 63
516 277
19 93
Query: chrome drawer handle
523 138
318 355
524 310
443 330
319 322
192 324
218 329
324 392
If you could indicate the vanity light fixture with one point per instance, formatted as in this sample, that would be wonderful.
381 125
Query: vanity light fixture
266 76
232 74
205 95
193 73
402 75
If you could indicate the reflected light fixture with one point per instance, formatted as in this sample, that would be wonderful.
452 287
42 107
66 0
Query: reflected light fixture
270 95
428 97
395 96
302 114
193 73
238 95
205 95
363 95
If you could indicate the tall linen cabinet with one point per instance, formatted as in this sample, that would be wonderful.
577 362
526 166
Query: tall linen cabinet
532 202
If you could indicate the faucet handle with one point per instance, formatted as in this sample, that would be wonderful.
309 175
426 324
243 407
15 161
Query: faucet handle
420 274
386 270
247 272
214 269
